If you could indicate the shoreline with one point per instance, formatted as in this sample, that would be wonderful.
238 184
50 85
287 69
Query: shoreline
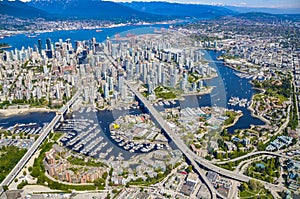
259 89
257 116
14 112
234 122
207 91
104 26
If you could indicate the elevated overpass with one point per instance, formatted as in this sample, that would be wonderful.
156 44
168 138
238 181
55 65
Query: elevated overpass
178 142
45 132
192 157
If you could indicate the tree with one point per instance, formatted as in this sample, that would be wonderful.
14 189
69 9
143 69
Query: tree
252 184
111 172
105 174
189 168
5 187
100 183
115 191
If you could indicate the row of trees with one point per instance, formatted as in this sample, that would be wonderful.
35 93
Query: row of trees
293 123
31 102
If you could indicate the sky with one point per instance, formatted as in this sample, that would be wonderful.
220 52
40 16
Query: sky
240 3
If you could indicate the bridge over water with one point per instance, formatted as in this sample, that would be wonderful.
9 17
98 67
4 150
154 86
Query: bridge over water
45 132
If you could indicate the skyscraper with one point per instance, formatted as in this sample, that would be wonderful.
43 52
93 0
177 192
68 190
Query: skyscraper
172 81
40 46
48 43
159 73
106 91
122 87
58 96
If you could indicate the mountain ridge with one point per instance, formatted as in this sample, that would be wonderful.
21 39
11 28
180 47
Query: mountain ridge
95 9
20 9
180 10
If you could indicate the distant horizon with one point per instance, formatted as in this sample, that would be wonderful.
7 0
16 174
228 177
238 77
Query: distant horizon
272 4
280 4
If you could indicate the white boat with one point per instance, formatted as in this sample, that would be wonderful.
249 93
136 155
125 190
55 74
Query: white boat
131 150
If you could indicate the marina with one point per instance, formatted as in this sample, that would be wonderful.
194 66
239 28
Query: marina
236 101
86 132
140 137
243 75
27 129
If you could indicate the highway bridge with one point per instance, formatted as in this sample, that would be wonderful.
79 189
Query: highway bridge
178 142
45 132
191 156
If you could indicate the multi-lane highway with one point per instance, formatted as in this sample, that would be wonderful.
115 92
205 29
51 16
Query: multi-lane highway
180 144
9 178
191 156
185 150
45 132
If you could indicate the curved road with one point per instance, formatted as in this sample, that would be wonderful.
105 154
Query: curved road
192 157
180 144
253 154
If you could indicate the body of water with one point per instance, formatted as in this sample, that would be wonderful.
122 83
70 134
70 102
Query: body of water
227 85
34 117
21 40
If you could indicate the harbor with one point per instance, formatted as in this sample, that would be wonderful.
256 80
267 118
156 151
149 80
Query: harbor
87 133
236 101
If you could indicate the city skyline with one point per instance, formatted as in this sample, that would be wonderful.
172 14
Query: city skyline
149 100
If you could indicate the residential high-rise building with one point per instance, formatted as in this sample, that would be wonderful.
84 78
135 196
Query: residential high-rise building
49 44
40 45
111 83
68 91
122 87
172 81
159 73
106 91
58 95
200 84
86 94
